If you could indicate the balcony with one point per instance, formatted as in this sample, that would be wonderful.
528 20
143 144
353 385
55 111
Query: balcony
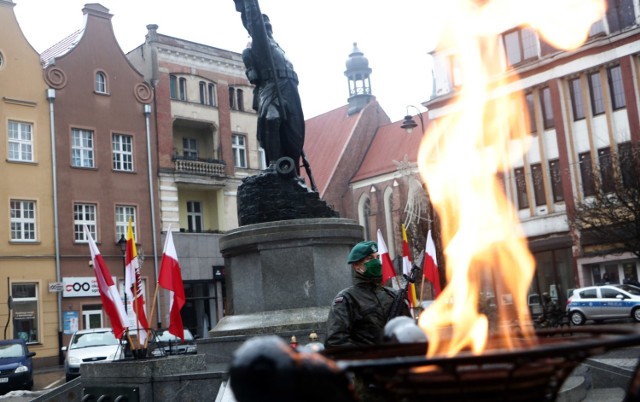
209 167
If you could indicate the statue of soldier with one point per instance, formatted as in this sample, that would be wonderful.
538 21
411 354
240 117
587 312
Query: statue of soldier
276 99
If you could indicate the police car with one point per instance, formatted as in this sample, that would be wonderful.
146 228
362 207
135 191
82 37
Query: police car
601 303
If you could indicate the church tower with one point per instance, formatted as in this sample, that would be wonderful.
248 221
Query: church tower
357 73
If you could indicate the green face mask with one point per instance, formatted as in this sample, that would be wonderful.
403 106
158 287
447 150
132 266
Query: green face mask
373 268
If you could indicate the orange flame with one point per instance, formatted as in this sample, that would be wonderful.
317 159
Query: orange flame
481 134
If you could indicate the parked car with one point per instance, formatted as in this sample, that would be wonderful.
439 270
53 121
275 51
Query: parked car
168 344
90 345
16 368
605 302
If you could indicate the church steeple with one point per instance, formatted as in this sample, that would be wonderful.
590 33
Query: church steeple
357 73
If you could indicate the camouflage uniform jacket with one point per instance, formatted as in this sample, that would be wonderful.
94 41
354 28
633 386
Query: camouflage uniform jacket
359 313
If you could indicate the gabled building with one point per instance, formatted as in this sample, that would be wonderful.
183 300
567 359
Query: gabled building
582 121
27 247
206 134
106 164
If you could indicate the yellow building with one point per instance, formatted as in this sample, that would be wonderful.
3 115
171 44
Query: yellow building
27 245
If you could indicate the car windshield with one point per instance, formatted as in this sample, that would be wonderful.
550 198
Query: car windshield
93 339
166 336
634 290
11 350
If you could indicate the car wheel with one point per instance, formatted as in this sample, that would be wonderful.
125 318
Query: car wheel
635 314
577 318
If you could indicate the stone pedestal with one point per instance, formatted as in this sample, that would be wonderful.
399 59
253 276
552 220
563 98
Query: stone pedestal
172 378
281 279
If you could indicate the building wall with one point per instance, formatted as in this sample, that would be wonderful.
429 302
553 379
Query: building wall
118 111
31 261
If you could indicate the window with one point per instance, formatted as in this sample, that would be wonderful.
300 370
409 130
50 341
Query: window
547 108
521 189
628 165
232 98
538 184
190 148
577 102
173 86
212 94
595 86
532 114
194 216
589 294
262 157
203 92
620 14
92 316
182 94
597 28
123 213
122 146
20 141
84 214
101 82
25 311
82 148
616 88
240 96
586 173
556 180
606 170
520 45
239 151
610 293
23 220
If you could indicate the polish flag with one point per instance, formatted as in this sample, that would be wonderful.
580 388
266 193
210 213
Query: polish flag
170 278
430 269
133 285
111 301
387 267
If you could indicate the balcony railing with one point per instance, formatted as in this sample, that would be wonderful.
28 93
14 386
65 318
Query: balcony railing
212 167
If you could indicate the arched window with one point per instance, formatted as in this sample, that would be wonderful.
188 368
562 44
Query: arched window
388 218
364 212
101 82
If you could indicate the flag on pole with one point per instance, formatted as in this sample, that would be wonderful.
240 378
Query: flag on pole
387 266
133 285
170 278
430 269
111 301
406 267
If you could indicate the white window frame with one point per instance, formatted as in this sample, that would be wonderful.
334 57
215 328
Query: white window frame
85 214
101 82
17 302
262 157
190 148
239 147
122 148
123 213
23 216
82 152
524 41
195 218
20 141
86 318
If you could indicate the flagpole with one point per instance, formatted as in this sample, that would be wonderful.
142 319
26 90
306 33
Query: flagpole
153 309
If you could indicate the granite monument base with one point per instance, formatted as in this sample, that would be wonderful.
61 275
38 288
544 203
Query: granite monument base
281 279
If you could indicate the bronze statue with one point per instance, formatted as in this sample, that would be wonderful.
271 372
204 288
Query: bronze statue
276 99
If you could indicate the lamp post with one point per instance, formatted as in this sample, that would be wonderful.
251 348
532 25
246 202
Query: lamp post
123 247
409 124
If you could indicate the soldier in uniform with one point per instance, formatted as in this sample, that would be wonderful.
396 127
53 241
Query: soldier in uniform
359 313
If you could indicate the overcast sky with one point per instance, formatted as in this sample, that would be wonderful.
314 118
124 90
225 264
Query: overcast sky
396 37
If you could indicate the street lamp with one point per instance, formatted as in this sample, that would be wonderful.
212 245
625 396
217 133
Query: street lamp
409 124
123 247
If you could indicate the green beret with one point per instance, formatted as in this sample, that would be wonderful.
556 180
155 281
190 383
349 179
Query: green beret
361 250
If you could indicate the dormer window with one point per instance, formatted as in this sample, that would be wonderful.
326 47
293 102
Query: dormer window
520 45
101 82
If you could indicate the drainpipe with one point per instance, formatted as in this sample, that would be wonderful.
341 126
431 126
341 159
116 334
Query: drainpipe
147 113
51 96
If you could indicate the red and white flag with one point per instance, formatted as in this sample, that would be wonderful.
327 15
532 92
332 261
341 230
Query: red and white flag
133 286
406 268
170 278
111 301
430 269
387 266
